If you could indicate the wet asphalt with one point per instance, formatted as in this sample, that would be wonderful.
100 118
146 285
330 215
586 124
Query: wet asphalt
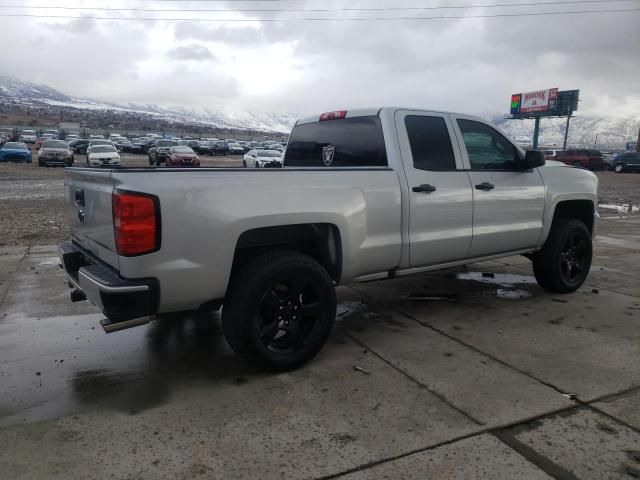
472 373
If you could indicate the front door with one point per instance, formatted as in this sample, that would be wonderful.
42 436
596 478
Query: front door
508 204
440 198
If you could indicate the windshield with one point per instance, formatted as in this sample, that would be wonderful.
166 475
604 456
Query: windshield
28 132
182 150
15 146
100 142
103 149
165 143
54 144
269 154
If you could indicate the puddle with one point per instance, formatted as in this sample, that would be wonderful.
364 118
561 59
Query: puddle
512 294
506 281
348 308
619 208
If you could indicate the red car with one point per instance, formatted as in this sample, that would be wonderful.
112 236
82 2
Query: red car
583 158
182 156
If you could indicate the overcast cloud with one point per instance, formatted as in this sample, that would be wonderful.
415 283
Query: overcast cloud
470 65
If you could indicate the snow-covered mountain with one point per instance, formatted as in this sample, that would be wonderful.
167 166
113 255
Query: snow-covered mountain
24 92
584 131
611 132
11 87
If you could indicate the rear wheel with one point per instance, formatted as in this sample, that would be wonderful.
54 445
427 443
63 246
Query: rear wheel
279 310
563 263
619 168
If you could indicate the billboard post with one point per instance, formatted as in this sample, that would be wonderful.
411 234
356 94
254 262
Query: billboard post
536 132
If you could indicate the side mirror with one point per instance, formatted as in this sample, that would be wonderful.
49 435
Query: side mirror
532 159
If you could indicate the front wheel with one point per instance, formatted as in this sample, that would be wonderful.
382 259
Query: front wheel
563 263
279 310
619 168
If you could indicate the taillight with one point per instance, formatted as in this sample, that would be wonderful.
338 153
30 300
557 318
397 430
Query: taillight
338 114
136 223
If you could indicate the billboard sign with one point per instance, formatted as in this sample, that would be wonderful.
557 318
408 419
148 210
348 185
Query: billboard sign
538 101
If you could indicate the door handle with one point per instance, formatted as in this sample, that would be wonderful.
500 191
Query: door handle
485 186
424 189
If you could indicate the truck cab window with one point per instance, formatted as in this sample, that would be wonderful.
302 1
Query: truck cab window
487 148
430 143
347 142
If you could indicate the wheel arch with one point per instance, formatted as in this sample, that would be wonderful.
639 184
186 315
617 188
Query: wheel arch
320 241
582 209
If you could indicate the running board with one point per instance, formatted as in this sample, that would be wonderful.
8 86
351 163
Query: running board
109 327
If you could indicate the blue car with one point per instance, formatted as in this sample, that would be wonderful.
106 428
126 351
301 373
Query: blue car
15 152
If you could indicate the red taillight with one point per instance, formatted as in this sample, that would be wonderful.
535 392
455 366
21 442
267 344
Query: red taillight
338 114
135 223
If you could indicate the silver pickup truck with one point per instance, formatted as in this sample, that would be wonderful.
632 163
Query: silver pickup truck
363 195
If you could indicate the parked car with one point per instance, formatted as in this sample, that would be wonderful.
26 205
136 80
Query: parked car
123 144
235 149
95 142
550 154
262 158
28 136
100 155
204 148
220 148
627 162
141 145
373 194
181 156
159 151
583 158
15 152
79 145
55 152
39 142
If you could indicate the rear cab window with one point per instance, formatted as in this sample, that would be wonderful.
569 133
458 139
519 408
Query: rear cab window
344 142
430 143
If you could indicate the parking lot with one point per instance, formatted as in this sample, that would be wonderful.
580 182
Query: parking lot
467 373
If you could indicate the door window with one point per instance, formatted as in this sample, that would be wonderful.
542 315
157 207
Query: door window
430 143
486 148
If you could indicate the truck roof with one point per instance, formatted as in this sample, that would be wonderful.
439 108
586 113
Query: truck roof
363 112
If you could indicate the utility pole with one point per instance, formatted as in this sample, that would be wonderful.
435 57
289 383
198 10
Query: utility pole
566 132
536 132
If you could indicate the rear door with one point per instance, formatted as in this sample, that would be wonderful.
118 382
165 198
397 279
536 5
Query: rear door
88 200
441 202
508 204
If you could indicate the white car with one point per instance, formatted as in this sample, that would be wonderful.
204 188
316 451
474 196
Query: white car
103 155
259 158
28 136
96 142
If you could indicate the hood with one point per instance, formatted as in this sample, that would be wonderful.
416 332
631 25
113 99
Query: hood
54 150
15 150
186 156
554 163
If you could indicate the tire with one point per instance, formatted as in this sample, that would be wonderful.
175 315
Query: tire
244 163
576 164
261 319
619 168
563 263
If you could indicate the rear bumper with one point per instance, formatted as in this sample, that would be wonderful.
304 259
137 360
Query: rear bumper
119 299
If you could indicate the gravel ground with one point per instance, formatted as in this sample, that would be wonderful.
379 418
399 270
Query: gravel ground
32 202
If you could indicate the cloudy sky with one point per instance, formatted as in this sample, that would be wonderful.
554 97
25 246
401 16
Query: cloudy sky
293 65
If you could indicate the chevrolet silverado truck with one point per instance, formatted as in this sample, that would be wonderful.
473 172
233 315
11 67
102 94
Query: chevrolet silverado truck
363 195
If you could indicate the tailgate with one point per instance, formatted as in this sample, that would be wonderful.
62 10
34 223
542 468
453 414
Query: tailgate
87 196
